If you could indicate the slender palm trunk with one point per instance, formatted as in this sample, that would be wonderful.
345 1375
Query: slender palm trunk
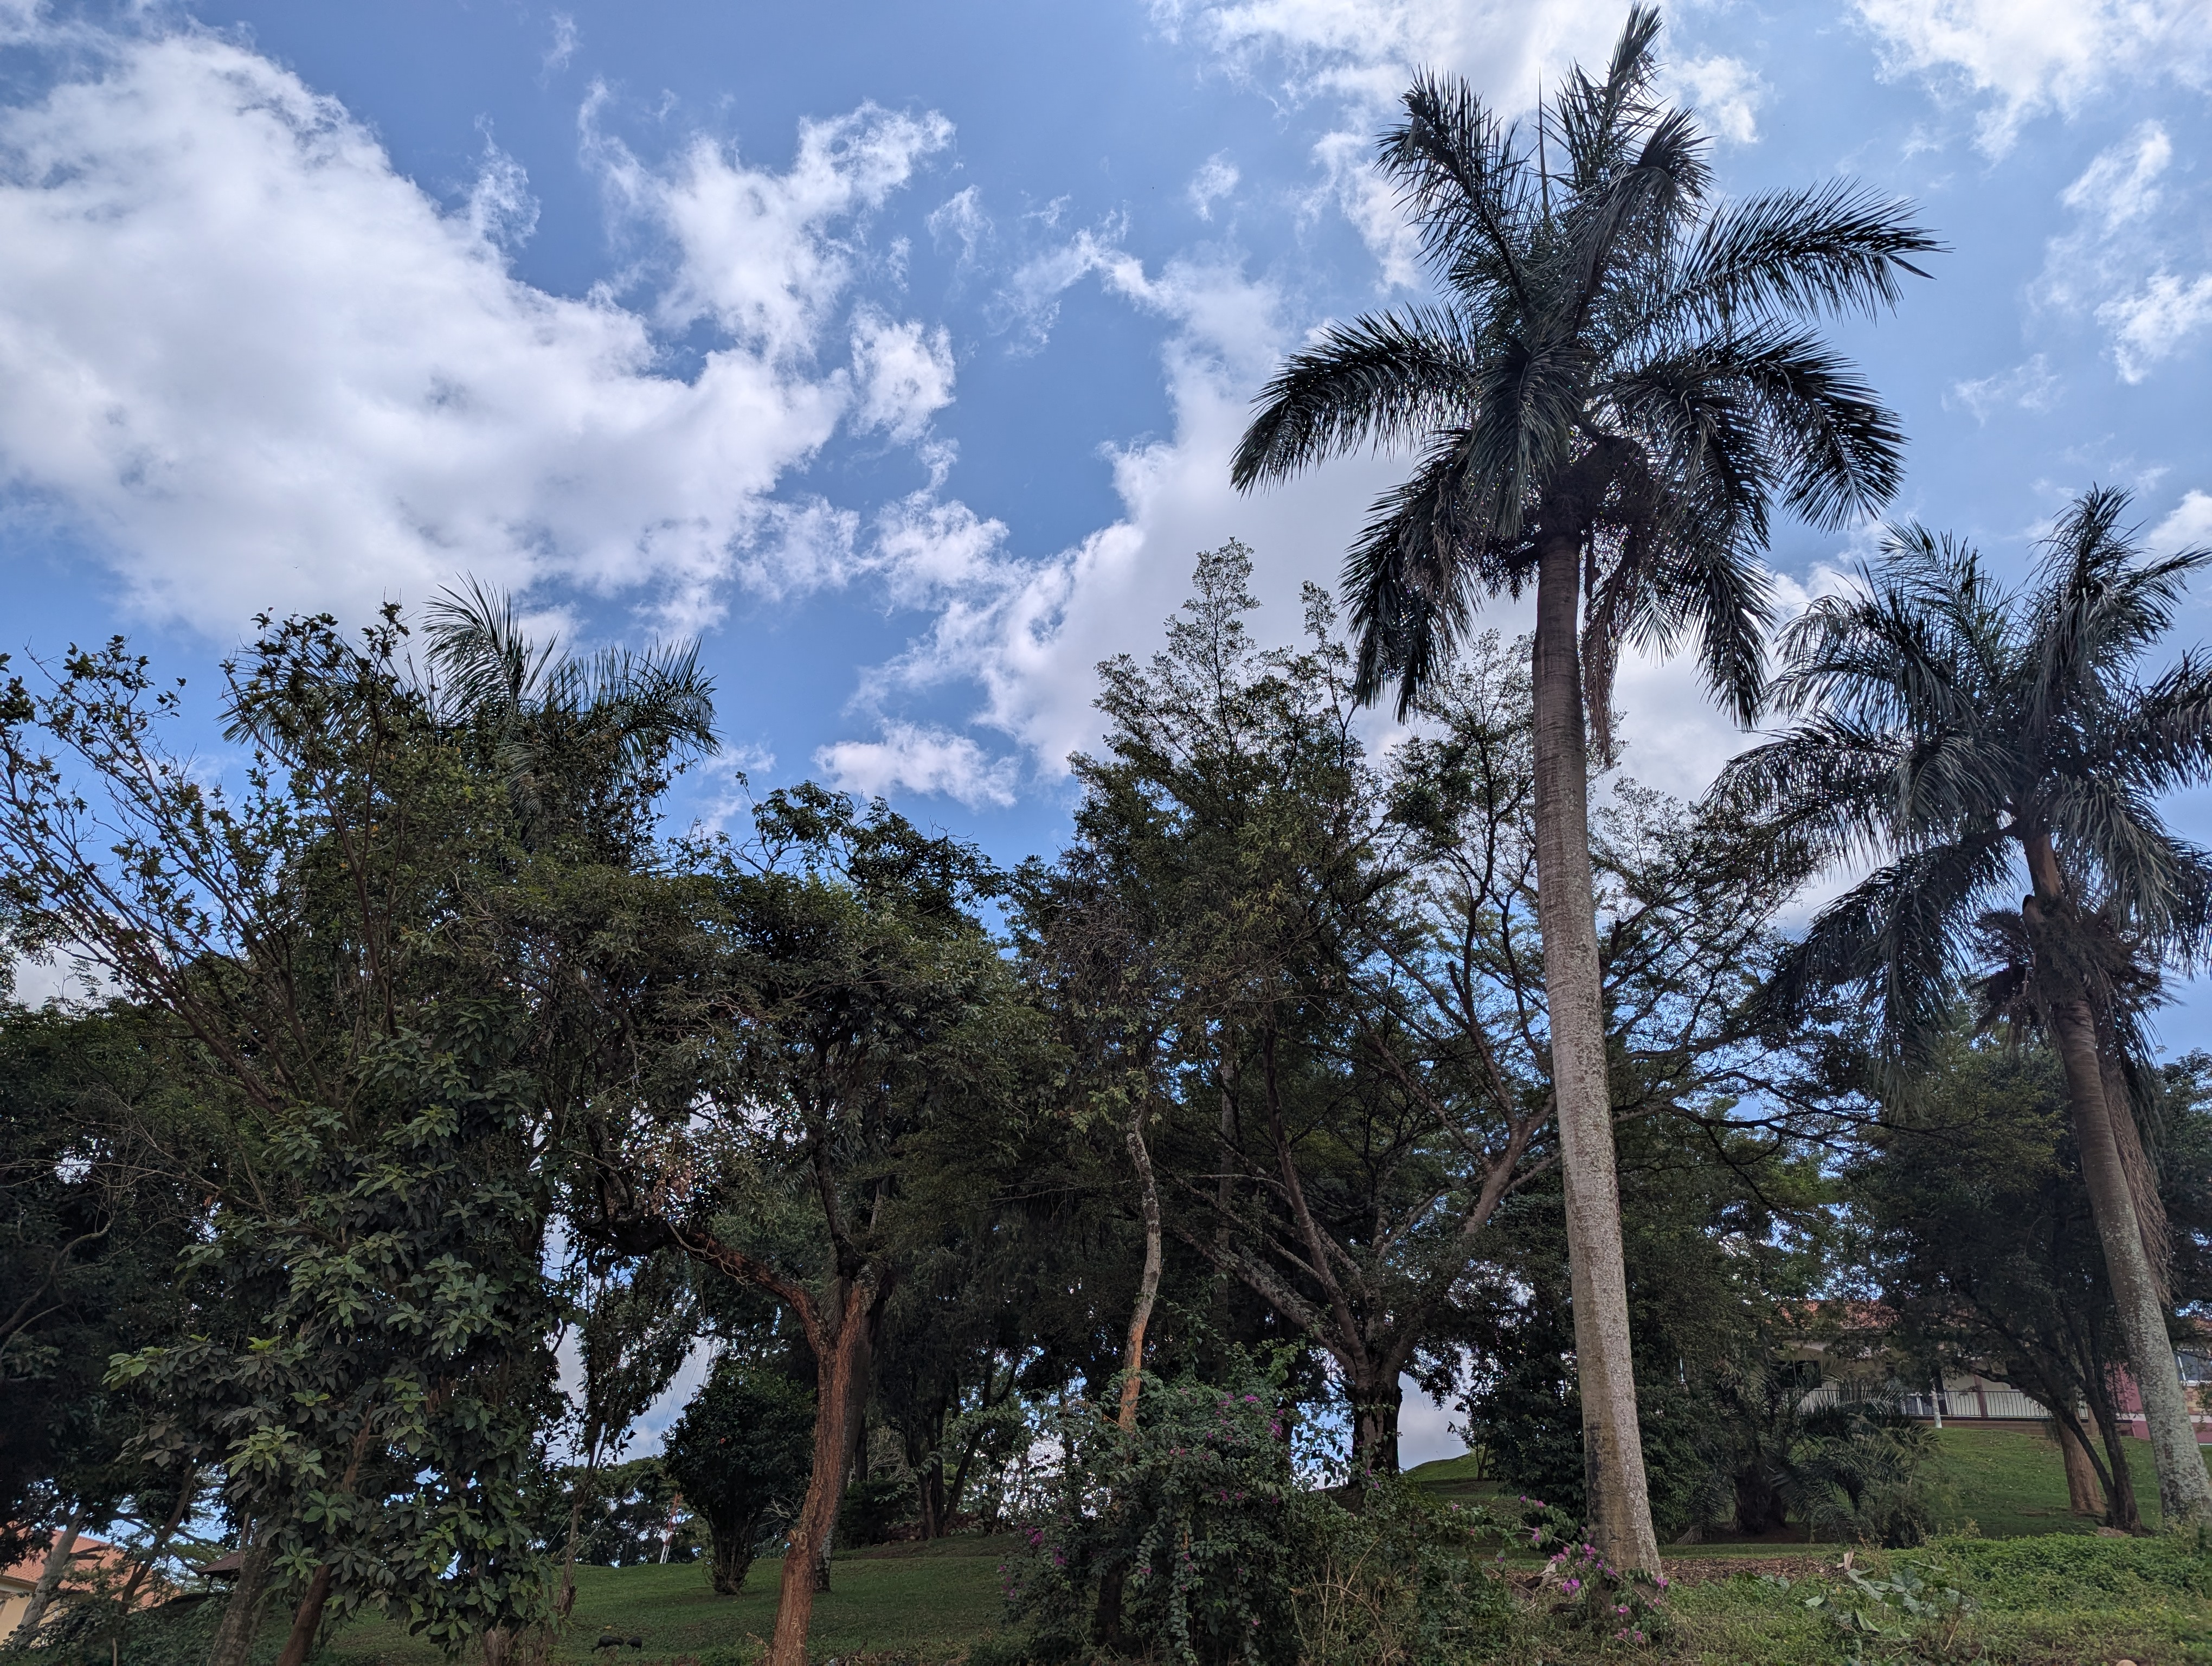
2185 1490
1148 1284
1619 1507
49 1576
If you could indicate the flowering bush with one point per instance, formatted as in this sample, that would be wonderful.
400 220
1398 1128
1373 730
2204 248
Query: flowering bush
1620 1606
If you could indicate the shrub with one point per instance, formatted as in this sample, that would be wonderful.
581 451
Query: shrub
1402 1580
741 1452
1183 1540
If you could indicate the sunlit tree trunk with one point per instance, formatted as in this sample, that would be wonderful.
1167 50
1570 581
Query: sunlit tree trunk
2084 1497
1619 1507
1148 1283
839 1359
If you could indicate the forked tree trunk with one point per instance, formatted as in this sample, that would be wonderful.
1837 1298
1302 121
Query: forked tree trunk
2084 1497
1148 1283
836 1369
1619 1507
2185 1490
2120 1511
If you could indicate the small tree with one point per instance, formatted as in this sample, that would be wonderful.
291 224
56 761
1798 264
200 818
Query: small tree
740 1453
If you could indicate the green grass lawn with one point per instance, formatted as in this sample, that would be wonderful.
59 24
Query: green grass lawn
928 1601
2041 1589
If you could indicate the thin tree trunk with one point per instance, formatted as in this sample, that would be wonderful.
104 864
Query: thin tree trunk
186 1487
1148 1284
306 1618
2185 1491
58 1555
1620 1506
835 1369
2120 1511
2084 1496
242 1615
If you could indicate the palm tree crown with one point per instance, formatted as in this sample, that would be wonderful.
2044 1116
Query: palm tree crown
1948 729
1614 360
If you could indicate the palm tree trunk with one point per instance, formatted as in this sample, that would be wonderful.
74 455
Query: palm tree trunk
1619 1508
2185 1490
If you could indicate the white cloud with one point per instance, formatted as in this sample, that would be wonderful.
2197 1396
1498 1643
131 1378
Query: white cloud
1211 183
501 210
1726 91
2030 385
961 216
754 252
2113 262
905 373
2156 321
261 368
914 759
2189 527
563 47
2026 57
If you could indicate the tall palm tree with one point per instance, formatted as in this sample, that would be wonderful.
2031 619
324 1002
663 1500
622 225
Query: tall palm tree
1613 391
1957 734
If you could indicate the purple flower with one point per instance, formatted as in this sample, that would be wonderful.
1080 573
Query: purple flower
1570 1585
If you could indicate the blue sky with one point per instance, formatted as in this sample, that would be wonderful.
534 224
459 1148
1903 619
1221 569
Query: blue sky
897 351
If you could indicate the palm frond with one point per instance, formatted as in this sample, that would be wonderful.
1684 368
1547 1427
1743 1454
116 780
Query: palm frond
490 669
1833 248
1380 380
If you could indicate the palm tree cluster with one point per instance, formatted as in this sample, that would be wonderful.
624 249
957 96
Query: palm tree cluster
1620 381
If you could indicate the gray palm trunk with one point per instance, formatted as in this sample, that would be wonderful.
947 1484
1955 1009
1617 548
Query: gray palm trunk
1618 1511
49 1576
2185 1489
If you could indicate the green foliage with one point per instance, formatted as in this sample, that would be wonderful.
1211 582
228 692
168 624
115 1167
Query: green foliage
872 1508
1186 1538
741 1452
628 1514
1400 1579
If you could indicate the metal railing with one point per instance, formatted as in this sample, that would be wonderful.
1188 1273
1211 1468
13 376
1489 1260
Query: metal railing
2007 1405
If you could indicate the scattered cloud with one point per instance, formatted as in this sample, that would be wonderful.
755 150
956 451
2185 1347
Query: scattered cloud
1216 180
563 47
501 210
961 217
2023 58
260 367
2114 261
911 758
1726 91
2190 525
905 374
2033 386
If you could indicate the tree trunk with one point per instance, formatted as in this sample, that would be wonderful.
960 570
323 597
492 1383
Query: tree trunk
835 1371
242 1615
730 1550
306 1618
2185 1491
2084 1496
565 1603
58 1555
186 1487
1619 1507
1375 1407
2120 1511
1148 1285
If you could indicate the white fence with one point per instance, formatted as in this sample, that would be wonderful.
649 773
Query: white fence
2009 1405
